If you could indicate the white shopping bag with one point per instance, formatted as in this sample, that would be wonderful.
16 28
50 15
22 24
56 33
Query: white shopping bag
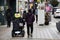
20 24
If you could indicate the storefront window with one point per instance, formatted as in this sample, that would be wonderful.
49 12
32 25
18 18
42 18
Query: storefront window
1 8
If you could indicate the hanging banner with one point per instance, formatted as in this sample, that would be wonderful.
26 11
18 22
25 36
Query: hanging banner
31 0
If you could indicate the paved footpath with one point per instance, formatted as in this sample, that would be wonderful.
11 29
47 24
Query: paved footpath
40 33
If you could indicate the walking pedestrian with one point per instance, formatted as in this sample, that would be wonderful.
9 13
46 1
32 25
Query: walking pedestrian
29 20
46 18
36 13
8 16
24 15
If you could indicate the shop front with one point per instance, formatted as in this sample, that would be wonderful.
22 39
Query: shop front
2 11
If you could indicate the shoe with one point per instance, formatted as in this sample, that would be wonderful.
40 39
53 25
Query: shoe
28 36
36 22
31 35
8 26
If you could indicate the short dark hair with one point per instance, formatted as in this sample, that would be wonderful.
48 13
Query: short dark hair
24 11
29 10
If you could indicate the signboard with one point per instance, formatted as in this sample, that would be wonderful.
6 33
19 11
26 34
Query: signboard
41 16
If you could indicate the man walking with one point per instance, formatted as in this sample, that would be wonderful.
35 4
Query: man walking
8 16
29 20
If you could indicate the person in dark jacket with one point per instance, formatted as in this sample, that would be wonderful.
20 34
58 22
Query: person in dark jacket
33 10
29 20
8 16
47 18
24 15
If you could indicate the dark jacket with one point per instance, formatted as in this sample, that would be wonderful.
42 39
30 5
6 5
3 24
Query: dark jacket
8 14
24 15
30 18
46 17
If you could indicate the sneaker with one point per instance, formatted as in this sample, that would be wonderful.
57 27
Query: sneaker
28 36
31 35
36 22
8 26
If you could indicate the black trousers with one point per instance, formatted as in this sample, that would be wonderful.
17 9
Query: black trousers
36 18
8 23
29 28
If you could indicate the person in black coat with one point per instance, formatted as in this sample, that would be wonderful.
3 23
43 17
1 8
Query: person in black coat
24 15
8 16
29 20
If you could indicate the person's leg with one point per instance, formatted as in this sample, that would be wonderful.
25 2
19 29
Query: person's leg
27 29
36 18
31 29
9 23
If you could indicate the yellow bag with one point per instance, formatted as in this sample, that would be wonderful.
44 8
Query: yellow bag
17 15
